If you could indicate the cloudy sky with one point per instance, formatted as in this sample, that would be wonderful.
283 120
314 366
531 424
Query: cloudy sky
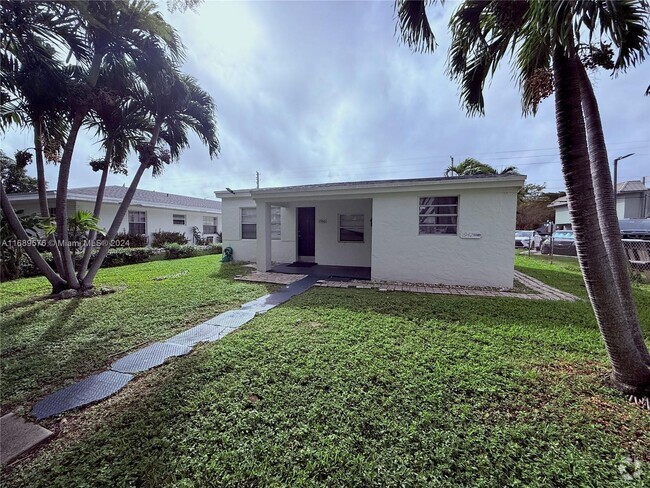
312 92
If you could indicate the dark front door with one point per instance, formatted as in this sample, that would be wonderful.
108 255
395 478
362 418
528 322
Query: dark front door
306 231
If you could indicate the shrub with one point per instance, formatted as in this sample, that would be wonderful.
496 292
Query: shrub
176 251
162 237
207 249
28 269
119 256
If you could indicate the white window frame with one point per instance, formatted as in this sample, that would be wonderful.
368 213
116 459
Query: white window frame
434 215
130 221
357 227
276 223
242 223
176 217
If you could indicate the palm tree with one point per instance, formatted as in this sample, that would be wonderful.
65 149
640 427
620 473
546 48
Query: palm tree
606 205
121 123
543 39
117 29
105 31
471 166
177 104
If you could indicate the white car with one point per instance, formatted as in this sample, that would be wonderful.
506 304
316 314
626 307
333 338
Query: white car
529 239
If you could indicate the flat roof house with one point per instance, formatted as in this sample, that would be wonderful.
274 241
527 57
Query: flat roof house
149 212
452 230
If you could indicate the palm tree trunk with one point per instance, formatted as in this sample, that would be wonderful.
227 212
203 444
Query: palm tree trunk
87 280
606 205
64 176
96 211
62 201
42 192
58 284
629 372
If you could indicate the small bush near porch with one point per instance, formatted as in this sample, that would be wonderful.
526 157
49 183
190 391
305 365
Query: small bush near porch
364 388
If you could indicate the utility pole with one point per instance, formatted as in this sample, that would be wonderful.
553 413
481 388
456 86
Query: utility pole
616 170
257 179
452 165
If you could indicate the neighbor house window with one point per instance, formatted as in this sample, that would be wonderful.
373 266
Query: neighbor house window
209 225
137 222
438 215
52 211
178 219
275 223
351 228
249 223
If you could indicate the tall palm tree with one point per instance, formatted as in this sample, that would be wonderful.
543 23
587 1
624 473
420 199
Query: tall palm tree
118 29
543 37
606 205
176 105
121 124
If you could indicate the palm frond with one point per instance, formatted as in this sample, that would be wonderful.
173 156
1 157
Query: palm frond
413 24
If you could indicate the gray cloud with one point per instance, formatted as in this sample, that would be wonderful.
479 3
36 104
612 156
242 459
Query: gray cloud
323 91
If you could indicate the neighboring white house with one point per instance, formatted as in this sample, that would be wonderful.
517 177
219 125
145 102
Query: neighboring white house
632 202
455 230
150 211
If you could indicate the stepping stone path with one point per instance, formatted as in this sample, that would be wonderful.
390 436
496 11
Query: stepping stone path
89 390
102 385
149 357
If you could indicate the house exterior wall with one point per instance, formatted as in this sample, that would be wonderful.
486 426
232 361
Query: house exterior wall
562 217
33 207
400 253
328 249
628 206
157 218
634 206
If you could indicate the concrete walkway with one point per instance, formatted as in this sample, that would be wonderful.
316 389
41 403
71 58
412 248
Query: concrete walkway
539 290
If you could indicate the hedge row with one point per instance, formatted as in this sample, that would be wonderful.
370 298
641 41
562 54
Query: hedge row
129 255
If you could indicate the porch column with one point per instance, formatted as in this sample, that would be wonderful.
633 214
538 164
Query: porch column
263 236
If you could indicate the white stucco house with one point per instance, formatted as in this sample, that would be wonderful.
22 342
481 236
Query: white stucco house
632 202
452 230
149 212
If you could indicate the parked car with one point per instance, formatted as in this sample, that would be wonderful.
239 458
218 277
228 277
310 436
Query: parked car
635 229
564 242
529 239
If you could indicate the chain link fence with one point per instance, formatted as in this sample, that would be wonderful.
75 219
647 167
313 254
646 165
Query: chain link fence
638 254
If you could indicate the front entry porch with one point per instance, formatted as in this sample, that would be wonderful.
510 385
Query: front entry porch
334 234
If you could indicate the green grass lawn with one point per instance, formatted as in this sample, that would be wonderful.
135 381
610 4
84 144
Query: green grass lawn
363 388
47 344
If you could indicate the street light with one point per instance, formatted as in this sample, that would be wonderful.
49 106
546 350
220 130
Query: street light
616 170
